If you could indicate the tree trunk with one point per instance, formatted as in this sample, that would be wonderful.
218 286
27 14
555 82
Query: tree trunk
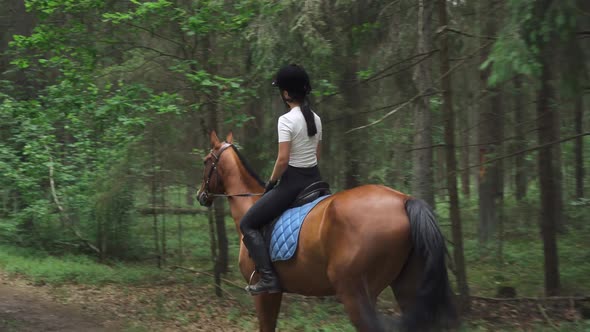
548 184
422 181
579 146
179 234
254 128
154 187
351 97
520 178
579 70
465 134
221 259
351 141
449 123
490 137
440 169
163 237
547 125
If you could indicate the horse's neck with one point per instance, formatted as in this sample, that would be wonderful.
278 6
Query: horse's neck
239 181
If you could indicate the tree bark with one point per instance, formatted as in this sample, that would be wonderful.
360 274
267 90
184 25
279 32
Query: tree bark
154 186
164 235
548 182
254 128
490 137
547 124
581 73
422 180
520 178
579 146
449 124
351 98
464 137
221 260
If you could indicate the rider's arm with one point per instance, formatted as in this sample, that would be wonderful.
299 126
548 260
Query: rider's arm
282 161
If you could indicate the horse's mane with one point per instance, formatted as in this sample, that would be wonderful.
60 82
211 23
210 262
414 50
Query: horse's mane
248 167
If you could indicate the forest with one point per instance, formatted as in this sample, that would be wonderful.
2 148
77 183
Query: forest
478 107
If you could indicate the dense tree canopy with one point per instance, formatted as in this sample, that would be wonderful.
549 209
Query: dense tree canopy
105 108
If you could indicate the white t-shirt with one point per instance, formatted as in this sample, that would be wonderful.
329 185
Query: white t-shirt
293 128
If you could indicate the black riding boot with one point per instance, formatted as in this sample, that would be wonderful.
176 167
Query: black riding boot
269 282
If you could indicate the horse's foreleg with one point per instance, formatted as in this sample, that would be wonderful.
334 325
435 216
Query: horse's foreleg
267 309
359 305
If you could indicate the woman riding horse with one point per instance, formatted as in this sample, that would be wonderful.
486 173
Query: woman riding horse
300 133
353 244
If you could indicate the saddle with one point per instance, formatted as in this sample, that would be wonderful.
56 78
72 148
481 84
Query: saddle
307 195
311 193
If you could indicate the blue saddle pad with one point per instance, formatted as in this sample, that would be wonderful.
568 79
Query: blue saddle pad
285 234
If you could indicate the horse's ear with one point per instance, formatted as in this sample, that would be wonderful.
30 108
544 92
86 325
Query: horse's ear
230 138
214 139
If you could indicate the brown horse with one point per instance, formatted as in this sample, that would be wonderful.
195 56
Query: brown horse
353 245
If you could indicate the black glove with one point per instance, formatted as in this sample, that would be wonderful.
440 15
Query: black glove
269 186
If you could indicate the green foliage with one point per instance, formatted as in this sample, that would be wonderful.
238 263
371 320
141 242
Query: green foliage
113 213
510 55
77 130
141 10
323 87
517 49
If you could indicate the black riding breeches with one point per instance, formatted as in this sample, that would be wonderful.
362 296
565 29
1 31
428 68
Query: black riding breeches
277 200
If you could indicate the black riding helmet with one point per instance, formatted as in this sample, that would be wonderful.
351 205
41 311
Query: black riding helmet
294 80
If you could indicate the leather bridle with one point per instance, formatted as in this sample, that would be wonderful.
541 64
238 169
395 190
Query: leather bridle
204 196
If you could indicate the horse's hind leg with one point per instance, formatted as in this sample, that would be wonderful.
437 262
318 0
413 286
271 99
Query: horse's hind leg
405 286
267 310
359 305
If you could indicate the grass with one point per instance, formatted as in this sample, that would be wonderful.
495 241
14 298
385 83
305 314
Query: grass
42 268
9 325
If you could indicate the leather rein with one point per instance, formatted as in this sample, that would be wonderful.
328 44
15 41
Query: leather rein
214 169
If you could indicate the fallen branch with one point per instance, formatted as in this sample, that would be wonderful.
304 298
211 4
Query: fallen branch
231 283
538 299
175 267
542 310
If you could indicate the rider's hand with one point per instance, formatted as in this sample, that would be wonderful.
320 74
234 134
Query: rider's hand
269 185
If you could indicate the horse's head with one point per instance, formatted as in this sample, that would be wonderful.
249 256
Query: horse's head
212 173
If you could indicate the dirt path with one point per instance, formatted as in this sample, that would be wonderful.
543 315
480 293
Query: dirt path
166 307
25 308
170 306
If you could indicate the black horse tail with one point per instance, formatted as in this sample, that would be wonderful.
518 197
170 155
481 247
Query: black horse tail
433 308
